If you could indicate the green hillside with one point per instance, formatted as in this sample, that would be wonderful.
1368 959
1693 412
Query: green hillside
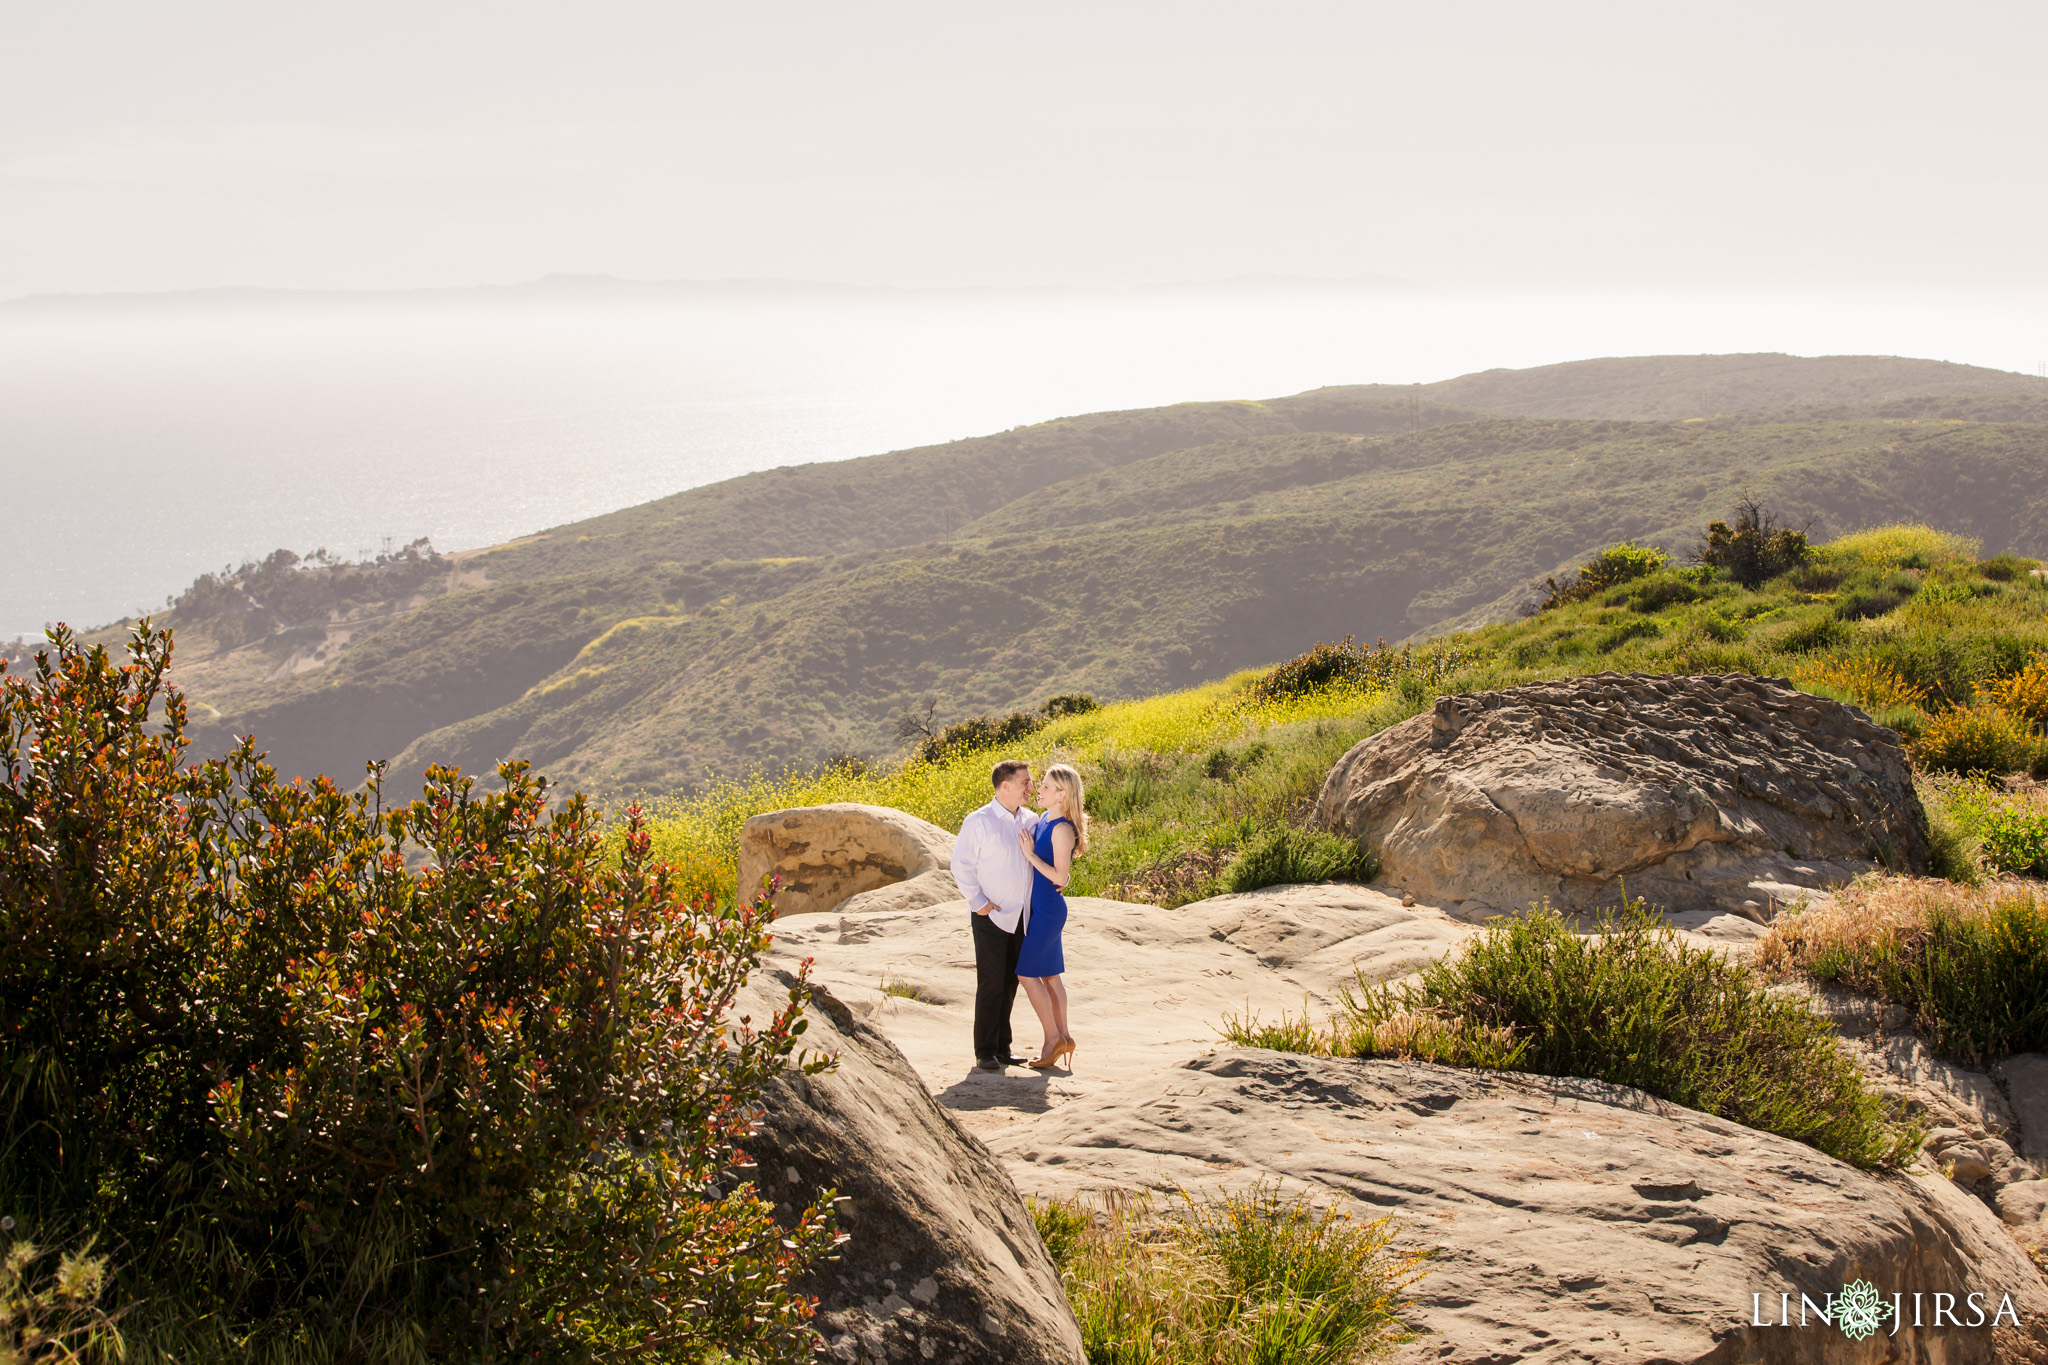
1191 790
789 616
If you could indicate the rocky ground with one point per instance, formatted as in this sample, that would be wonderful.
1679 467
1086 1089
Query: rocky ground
1570 1220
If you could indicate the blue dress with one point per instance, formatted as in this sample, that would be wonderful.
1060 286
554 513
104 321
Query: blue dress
1041 954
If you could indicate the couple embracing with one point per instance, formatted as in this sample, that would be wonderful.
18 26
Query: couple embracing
1012 864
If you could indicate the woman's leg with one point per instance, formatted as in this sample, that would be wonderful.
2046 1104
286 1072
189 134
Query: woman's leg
1042 1006
1055 988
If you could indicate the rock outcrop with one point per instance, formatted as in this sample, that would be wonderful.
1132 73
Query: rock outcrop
1576 1221
944 1263
826 855
1705 794
1985 1130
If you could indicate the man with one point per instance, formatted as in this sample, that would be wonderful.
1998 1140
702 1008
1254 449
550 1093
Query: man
988 862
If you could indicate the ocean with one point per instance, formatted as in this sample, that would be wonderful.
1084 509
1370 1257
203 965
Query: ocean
143 445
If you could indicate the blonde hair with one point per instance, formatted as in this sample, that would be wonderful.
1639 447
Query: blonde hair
1069 781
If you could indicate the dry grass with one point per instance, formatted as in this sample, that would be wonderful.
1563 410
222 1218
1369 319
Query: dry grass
1872 911
1970 962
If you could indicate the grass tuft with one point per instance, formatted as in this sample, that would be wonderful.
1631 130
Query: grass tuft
1251 1277
905 990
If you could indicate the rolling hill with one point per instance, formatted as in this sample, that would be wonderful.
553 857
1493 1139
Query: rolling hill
791 615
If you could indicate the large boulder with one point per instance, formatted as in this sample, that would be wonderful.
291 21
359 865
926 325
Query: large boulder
828 854
1570 1220
1705 794
943 1262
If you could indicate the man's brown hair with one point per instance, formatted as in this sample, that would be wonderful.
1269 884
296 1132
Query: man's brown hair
1006 770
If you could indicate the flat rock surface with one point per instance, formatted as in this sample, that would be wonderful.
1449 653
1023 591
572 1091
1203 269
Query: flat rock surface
1704 794
1576 1221
1147 987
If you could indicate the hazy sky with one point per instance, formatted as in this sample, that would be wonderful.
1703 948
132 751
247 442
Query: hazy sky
1478 145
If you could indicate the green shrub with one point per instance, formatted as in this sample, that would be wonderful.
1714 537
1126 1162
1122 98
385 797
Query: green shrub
978 733
1756 548
1224 764
355 1084
1069 704
2005 830
1665 590
1954 852
1972 965
1350 664
1876 599
1635 1006
1282 856
1622 564
2007 567
1229 1278
2017 841
1983 739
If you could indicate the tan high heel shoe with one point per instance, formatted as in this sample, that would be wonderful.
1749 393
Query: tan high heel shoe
1063 1048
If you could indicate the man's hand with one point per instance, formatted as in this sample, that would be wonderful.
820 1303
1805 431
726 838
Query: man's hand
983 909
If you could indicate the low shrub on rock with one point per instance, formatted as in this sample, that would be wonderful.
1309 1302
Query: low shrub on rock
338 1082
1632 1005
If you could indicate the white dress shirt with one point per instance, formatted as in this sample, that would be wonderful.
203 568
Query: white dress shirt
989 864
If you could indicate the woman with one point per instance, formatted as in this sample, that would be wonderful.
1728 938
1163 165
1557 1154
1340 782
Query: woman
1051 849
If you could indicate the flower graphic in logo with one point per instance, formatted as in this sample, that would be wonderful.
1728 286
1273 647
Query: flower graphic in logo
1859 1311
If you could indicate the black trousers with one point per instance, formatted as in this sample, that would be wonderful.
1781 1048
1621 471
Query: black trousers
995 986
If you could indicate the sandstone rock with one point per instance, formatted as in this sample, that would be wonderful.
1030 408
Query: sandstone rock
1706 794
2025 1077
2024 1203
935 887
944 1263
2024 1207
1956 1102
1576 1221
826 854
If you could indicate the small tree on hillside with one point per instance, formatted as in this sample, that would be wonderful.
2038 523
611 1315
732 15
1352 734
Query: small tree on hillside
341 1083
1756 548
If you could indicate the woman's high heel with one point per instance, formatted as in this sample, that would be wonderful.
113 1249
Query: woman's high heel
1063 1048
